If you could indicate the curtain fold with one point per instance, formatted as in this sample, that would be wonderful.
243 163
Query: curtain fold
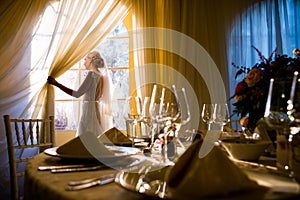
81 34
200 21
76 27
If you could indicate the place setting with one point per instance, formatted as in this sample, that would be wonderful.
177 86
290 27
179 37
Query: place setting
159 163
217 173
90 153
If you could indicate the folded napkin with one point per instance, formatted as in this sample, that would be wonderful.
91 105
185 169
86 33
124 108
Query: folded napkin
86 145
114 136
214 175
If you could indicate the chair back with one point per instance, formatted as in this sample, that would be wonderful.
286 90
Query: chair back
25 138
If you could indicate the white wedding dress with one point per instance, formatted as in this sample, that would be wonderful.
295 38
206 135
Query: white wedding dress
96 114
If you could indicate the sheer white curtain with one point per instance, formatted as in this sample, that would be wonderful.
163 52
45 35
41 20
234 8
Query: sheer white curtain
266 25
74 28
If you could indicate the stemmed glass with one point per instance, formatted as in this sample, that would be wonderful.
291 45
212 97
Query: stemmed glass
183 112
167 117
278 116
207 114
221 114
294 115
175 114
146 118
133 117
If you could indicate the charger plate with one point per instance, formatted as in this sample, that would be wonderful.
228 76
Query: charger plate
118 152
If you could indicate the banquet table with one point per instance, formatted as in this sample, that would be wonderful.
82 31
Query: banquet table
47 185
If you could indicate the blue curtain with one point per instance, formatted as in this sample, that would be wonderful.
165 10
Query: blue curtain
266 25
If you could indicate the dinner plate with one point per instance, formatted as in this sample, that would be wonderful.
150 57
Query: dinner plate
118 152
229 135
152 184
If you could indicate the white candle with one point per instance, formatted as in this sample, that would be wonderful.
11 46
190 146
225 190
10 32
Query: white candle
293 87
176 96
138 105
152 98
144 111
161 100
268 104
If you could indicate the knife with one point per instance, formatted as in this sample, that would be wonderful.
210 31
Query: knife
78 169
84 181
102 181
46 168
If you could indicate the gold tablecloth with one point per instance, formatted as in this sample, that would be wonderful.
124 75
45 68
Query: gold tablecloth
44 185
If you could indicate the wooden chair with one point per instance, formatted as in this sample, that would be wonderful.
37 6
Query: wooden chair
25 138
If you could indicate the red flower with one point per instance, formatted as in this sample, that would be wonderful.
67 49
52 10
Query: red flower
251 93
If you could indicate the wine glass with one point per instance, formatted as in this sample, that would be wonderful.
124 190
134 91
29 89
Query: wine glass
133 117
207 114
277 117
183 112
153 113
146 119
293 111
221 114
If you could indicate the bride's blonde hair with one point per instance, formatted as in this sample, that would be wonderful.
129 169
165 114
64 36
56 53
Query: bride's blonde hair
97 60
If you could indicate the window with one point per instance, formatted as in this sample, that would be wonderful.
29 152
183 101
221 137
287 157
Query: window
115 51
266 25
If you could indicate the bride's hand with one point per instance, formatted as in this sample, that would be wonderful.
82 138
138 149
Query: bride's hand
51 80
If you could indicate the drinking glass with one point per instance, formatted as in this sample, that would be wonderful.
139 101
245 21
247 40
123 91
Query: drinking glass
221 114
207 114
133 117
146 121
183 112
293 111
154 114
276 116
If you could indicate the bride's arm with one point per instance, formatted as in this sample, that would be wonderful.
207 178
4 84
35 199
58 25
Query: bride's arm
81 90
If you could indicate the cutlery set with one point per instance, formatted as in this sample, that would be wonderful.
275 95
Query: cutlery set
124 163
81 184
71 168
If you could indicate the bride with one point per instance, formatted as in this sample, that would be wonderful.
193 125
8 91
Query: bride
96 90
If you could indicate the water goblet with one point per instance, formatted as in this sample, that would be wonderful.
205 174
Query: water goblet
207 114
277 117
293 111
221 114
183 112
133 117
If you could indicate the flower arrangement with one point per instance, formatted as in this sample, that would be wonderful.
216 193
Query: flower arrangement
251 93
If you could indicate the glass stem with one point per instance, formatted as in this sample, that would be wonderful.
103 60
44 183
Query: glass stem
208 126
